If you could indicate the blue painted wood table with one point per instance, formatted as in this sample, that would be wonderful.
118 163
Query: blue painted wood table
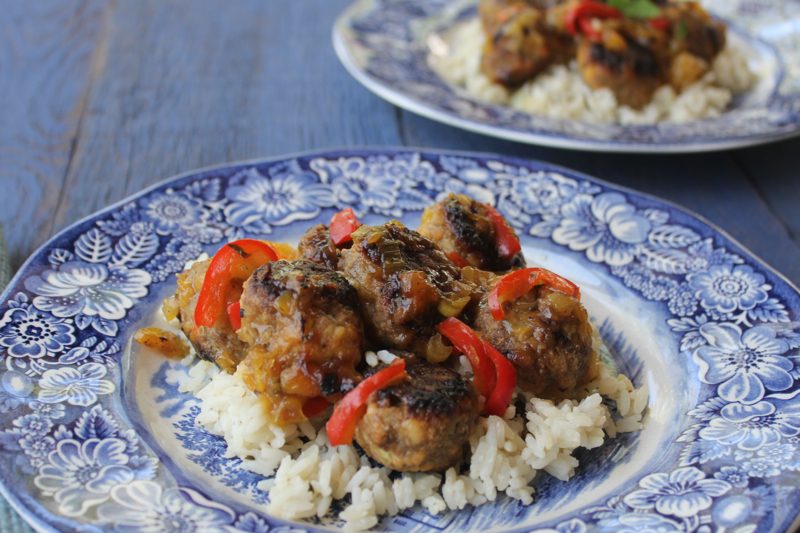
101 99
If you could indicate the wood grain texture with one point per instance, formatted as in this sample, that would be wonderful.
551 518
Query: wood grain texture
187 84
774 170
46 53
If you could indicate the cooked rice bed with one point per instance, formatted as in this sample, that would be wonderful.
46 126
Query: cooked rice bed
506 453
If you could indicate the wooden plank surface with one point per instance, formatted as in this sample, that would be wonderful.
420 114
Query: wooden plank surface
214 85
47 51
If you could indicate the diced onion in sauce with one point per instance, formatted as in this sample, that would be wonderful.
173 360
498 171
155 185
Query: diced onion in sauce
449 306
437 351
284 303
166 342
170 308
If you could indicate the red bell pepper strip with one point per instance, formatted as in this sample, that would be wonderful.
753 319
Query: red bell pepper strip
343 224
315 406
234 313
507 241
468 343
660 23
456 258
234 261
588 9
517 284
497 403
348 412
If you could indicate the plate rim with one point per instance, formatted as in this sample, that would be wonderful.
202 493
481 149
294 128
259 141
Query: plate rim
40 524
421 108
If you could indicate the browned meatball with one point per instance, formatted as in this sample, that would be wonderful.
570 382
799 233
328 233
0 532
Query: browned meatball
422 423
693 31
406 285
632 71
547 336
634 57
494 13
316 246
517 49
304 326
218 344
461 226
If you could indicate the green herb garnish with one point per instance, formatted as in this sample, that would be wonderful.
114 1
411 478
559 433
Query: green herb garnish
636 9
682 31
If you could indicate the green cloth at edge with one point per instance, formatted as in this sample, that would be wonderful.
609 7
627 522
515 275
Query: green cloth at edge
10 521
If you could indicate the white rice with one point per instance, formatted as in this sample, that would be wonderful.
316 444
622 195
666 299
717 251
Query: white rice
560 91
507 452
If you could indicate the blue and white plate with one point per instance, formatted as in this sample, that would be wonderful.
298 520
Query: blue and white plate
94 434
384 45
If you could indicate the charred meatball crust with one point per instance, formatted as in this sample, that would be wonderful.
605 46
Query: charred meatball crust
518 49
303 323
316 246
219 344
422 423
547 336
405 283
461 225
633 72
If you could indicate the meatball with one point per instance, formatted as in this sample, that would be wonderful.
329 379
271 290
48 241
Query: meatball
406 285
316 246
462 228
304 327
693 30
524 37
547 336
218 344
632 71
422 423
517 50
493 13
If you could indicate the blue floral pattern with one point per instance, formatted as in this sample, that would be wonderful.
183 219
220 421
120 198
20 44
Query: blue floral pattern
144 506
733 325
26 332
744 366
385 45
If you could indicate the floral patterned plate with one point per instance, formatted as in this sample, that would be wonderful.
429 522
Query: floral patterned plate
385 45
95 435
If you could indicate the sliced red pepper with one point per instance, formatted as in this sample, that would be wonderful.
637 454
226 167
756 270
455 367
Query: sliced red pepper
348 412
343 224
234 313
497 403
468 342
660 23
589 9
507 241
517 284
456 258
315 406
234 261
